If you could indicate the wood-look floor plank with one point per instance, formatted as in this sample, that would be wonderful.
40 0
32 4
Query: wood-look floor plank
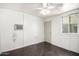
41 49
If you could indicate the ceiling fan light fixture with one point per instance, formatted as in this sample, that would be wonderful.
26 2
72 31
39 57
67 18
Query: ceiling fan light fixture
45 11
46 8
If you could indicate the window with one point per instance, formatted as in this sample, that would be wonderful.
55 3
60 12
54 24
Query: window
70 24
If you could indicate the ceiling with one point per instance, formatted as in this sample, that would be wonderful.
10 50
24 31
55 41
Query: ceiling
31 8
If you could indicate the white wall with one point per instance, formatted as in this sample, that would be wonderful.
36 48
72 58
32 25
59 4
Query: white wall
47 31
7 20
33 29
69 41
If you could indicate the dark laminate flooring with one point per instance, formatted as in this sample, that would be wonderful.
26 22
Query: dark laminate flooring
41 49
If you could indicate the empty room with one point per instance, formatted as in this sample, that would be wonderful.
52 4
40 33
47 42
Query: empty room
39 29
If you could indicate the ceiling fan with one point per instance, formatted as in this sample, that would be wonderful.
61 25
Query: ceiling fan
47 7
